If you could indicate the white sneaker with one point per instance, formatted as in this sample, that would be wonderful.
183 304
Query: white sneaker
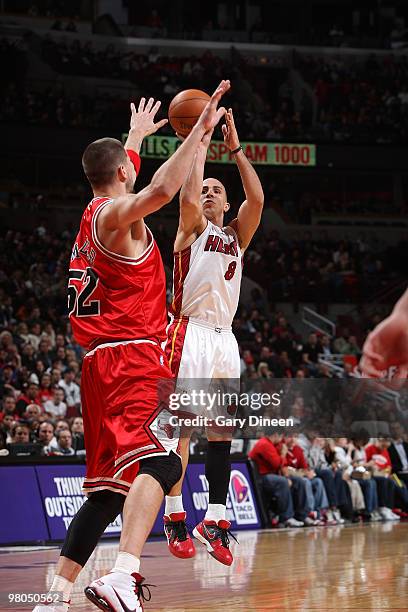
375 516
337 516
387 514
292 522
118 592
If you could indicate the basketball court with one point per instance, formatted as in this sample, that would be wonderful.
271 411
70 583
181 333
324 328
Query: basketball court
361 567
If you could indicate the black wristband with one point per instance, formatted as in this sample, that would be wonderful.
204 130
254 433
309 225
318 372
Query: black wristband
237 150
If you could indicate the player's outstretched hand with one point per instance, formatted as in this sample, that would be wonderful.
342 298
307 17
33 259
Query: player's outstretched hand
386 346
142 119
206 139
229 131
211 115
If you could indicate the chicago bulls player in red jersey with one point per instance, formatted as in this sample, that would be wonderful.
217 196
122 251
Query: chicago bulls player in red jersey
207 281
117 309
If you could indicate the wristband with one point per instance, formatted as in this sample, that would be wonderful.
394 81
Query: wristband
135 159
237 150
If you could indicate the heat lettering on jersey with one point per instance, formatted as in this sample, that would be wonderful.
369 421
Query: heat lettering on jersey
217 245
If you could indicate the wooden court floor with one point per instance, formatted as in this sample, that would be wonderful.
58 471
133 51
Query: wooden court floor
359 567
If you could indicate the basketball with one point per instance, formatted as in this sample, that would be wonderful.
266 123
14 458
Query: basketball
185 109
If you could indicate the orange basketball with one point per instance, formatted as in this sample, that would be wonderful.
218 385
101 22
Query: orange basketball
185 109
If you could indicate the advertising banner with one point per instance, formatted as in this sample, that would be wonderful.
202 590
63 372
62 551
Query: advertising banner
21 511
60 488
39 503
241 505
265 153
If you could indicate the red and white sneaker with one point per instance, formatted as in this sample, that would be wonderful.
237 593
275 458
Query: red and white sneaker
215 538
180 543
118 592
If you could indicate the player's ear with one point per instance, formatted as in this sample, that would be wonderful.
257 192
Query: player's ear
122 174
227 206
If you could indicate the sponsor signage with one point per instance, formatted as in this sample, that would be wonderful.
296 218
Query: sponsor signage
241 505
39 502
264 153
60 488
21 512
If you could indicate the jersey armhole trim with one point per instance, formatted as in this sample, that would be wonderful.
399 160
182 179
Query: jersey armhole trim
195 241
133 261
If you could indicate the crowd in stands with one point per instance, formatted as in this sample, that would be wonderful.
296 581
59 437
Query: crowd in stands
312 481
359 101
382 32
358 98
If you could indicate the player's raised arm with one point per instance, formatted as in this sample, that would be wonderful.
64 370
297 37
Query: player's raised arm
250 211
192 219
142 123
168 179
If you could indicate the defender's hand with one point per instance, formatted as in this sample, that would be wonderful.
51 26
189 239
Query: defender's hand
142 119
210 116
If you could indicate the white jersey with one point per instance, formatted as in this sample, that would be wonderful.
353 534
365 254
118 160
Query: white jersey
207 278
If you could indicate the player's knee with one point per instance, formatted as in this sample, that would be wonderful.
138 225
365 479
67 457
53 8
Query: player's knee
107 503
166 469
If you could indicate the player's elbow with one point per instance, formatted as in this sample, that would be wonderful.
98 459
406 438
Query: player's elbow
163 192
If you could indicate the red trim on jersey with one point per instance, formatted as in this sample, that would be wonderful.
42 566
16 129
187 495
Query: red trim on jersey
105 483
181 268
176 337
135 159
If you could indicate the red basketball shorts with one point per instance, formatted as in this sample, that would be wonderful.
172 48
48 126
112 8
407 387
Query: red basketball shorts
125 412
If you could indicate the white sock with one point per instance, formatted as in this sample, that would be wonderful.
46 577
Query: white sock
215 512
173 504
126 563
62 585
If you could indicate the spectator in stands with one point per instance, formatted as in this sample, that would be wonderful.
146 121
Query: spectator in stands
315 491
270 463
46 436
56 407
64 443
33 411
7 424
45 391
72 392
9 407
8 382
20 434
77 430
313 347
398 451
29 396
363 493
313 448
60 425
377 454
385 486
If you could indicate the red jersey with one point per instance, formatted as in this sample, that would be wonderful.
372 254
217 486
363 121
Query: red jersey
112 297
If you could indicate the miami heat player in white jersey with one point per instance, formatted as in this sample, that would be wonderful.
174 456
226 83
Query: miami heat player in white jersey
207 277
206 285
200 344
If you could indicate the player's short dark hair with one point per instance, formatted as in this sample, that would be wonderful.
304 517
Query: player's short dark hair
101 159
